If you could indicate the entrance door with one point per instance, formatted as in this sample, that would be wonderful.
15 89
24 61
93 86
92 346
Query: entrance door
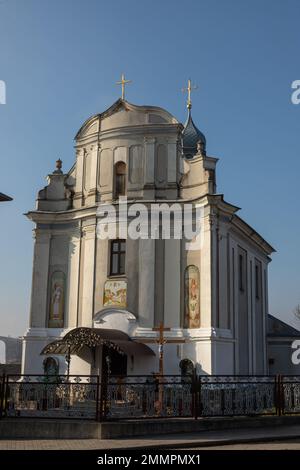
113 363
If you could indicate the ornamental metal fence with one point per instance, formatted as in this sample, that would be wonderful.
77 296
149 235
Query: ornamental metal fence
138 397
39 396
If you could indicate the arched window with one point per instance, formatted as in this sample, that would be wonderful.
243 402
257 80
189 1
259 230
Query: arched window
120 179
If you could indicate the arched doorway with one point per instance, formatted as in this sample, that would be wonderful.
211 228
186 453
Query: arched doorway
113 363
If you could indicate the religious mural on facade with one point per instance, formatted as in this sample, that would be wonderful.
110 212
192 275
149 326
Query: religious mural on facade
115 294
192 297
57 300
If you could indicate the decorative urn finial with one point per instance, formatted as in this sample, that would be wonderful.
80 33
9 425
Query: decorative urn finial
58 166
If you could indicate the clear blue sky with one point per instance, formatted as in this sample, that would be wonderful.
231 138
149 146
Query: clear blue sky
60 61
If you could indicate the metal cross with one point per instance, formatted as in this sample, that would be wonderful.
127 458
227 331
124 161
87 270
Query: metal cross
123 82
189 88
161 341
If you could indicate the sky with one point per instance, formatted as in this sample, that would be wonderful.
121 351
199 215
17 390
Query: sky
60 60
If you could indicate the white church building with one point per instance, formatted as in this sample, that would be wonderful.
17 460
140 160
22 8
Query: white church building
96 303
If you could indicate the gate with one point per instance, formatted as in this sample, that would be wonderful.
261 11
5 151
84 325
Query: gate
149 397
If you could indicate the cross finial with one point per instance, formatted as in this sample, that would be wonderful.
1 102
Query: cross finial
123 82
189 89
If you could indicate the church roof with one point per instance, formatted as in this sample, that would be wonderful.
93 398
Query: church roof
278 328
191 135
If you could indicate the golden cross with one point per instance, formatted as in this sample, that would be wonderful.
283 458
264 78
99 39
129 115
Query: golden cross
123 82
189 88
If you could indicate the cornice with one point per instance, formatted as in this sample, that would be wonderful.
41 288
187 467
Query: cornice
246 229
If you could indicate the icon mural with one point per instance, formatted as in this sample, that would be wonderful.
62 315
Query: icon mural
57 300
192 297
115 293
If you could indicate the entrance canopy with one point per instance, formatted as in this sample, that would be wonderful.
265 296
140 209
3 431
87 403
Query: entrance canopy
76 339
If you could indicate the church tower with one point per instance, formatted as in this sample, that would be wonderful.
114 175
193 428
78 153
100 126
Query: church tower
98 302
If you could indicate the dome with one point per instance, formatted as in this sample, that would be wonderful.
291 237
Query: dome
190 138
123 114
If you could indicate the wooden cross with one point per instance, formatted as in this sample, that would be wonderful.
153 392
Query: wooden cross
161 341
189 89
123 82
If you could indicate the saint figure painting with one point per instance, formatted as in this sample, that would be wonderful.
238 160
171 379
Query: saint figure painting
192 297
57 294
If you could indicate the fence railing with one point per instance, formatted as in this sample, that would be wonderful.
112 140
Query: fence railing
114 398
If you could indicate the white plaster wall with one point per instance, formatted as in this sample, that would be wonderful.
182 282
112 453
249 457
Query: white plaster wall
35 339
223 357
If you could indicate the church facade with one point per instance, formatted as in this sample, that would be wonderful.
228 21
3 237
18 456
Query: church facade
97 302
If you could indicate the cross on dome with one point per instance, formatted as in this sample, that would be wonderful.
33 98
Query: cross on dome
189 89
123 82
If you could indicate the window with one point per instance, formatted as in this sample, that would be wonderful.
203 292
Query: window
120 179
241 272
117 257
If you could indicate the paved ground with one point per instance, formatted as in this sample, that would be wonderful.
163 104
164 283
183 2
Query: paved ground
232 439
275 445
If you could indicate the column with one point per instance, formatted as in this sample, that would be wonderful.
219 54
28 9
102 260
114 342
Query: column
93 174
73 279
79 177
172 283
146 283
89 235
172 160
150 167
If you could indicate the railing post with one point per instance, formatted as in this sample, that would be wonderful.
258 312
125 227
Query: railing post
199 411
98 398
196 395
103 396
277 395
279 398
2 392
5 395
281 395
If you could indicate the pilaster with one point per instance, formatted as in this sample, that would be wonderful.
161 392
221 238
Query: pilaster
39 291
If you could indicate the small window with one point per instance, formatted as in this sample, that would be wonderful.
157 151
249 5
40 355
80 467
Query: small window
120 179
241 272
117 257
